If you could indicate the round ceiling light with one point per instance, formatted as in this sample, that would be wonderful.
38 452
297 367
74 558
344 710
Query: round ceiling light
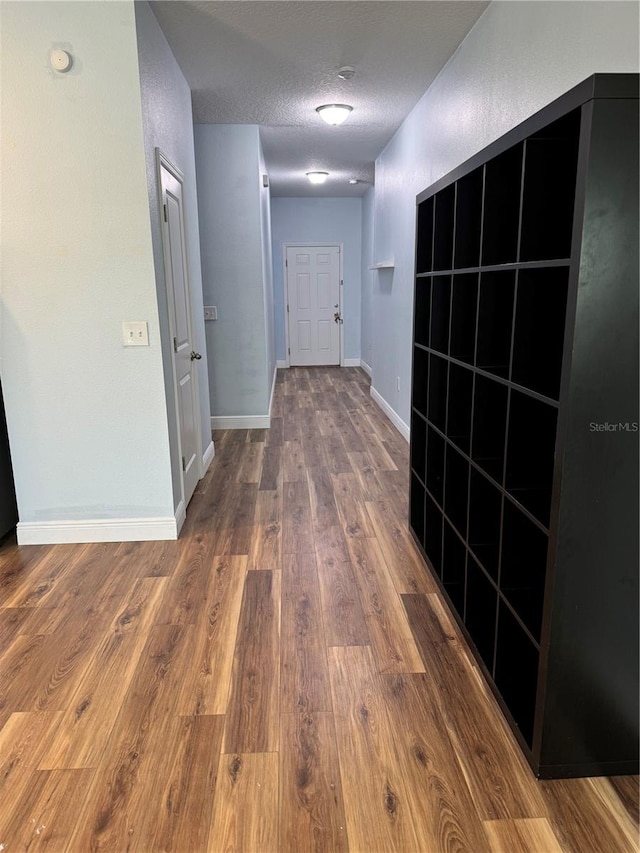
334 113
317 177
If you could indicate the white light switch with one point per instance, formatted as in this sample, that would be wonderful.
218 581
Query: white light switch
135 334
210 312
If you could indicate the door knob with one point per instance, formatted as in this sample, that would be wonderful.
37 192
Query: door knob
195 356
337 318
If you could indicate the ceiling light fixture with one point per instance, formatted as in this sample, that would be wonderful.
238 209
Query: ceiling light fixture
353 180
317 177
334 113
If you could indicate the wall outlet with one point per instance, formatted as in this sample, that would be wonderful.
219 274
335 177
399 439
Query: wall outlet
135 334
210 312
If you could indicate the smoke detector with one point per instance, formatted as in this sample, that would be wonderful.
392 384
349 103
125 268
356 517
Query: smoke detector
346 72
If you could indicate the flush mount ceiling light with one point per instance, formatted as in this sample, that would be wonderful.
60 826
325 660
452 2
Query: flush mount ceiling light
353 180
334 113
317 177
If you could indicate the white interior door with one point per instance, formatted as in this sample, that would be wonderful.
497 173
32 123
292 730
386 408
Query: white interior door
184 355
313 304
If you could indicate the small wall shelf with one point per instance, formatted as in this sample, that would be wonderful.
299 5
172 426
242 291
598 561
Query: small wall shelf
383 265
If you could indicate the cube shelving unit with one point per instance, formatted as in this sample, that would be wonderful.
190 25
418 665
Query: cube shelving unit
524 454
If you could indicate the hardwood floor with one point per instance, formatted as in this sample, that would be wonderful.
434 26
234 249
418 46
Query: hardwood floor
285 678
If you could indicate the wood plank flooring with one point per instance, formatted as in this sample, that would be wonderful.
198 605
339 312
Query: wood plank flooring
283 679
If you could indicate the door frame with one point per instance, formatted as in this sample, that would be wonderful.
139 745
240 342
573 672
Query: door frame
285 290
162 161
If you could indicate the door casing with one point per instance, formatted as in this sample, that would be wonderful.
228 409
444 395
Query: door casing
163 162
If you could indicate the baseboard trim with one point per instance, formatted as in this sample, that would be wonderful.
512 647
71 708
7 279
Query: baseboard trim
395 419
351 362
282 362
207 457
99 530
240 422
367 369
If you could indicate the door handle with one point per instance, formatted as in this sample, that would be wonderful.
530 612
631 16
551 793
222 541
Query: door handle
337 318
195 356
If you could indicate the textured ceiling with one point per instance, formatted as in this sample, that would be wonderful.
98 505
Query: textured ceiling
272 63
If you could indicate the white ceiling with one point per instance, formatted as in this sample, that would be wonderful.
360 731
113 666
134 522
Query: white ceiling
272 62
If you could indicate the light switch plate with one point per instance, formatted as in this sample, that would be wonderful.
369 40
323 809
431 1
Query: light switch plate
135 334
210 312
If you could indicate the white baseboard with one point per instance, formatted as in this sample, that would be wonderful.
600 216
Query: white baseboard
366 367
240 422
207 457
395 419
351 362
99 530
281 363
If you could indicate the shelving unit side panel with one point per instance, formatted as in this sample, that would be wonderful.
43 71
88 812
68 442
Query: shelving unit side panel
591 702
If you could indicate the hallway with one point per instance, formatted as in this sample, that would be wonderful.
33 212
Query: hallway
284 678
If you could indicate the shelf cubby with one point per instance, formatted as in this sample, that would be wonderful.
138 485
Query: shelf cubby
424 242
454 562
418 445
550 159
523 567
445 202
530 454
456 493
433 534
423 311
460 399
440 309
489 425
480 611
420 379
435 464
468 219
437 411
516 673
416 504
538 339
501 212
495 316
464 307
485 507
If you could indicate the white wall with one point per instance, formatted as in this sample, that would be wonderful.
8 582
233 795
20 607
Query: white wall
168 125
87 417
517 58
229 204
320 220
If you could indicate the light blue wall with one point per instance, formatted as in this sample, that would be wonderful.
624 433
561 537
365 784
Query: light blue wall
267 273
369 277
320 220
517 58
231 242
168 124
87 417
